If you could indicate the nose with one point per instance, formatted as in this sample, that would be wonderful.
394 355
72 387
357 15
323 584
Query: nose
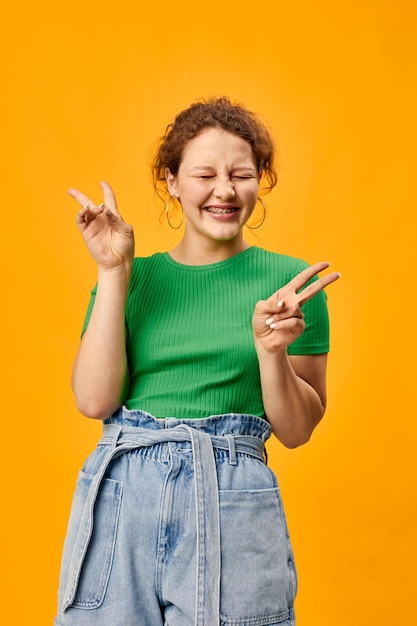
224 188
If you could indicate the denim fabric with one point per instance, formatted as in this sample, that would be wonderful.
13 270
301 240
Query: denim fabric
177 523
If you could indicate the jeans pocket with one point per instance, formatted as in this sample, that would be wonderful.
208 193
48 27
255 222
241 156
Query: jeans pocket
258 579
87 573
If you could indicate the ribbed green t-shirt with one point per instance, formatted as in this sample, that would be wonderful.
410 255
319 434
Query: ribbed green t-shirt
190 345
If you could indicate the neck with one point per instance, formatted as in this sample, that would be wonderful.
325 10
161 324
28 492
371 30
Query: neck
194 253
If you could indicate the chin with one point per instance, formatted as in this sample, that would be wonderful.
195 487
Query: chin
226 235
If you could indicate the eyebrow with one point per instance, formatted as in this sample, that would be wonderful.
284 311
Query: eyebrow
210 168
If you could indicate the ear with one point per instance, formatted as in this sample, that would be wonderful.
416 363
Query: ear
171 183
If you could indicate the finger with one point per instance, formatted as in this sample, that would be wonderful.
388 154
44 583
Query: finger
109 197
80 197
316 287
303 277
295 324
274 321
88 214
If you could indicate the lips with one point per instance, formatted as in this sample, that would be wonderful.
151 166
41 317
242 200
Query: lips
218 210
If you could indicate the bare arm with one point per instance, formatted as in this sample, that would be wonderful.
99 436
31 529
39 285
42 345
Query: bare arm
293 387
100 377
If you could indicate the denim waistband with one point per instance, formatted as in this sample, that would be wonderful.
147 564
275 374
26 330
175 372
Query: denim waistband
223 424
120 437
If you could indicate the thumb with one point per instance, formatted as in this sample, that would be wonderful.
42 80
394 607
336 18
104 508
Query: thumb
115 221
112 215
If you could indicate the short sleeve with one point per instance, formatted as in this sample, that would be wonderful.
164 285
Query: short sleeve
315 338
89 310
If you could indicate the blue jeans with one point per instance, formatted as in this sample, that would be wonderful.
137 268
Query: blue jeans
177 523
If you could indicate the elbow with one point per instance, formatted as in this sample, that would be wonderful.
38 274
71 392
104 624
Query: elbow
296 434
96 409
98 401
292 442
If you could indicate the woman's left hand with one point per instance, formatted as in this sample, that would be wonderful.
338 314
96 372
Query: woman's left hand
278 321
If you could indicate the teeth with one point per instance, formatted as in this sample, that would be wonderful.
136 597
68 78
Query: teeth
220 211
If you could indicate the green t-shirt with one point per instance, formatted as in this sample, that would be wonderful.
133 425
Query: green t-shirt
190 345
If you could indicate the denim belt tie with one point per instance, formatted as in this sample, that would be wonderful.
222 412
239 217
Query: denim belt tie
123 439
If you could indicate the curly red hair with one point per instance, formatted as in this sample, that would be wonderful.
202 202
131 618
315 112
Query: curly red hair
214 113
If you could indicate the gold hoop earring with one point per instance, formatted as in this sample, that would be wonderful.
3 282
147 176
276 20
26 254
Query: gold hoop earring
167 214
263 216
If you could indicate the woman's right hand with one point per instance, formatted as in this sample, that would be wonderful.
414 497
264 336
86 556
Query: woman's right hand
109 239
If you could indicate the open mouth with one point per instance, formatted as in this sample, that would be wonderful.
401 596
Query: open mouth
220 210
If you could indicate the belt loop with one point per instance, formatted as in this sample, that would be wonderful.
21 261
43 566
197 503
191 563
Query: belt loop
116 435
113 432
232 450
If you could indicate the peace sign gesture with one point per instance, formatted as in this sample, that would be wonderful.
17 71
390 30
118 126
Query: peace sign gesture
279 320
109 239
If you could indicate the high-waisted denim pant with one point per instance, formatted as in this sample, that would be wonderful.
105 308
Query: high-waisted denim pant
177 523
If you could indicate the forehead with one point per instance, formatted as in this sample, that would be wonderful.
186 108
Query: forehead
217 147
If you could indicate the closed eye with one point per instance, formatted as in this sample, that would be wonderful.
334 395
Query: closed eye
235 177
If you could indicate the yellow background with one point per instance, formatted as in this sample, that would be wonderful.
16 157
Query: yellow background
86 89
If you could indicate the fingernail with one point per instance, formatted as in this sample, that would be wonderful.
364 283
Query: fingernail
273 325
269 321
100 206
280 303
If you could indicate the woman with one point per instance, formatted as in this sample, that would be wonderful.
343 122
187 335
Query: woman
192 358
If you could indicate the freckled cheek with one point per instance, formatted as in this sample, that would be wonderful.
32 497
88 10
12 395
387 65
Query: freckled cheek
194 194
251 200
